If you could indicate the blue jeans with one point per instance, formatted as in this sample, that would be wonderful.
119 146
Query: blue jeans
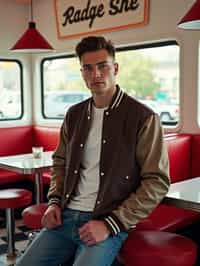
54 246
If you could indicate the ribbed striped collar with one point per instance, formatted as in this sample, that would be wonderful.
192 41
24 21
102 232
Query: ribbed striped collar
116 100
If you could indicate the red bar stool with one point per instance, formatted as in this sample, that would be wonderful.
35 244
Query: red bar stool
32 215
158 248
11 199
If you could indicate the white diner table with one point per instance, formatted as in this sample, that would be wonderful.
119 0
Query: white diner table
27 164
185 194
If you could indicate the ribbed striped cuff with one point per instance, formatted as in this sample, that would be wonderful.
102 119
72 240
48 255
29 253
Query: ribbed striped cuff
114 225
54 200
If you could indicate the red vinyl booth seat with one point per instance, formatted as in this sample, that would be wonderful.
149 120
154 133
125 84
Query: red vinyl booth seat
155 248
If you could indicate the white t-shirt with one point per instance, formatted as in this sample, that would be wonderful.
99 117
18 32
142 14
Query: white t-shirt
87 188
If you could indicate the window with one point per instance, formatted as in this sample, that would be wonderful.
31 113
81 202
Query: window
62 86
149 73
11 104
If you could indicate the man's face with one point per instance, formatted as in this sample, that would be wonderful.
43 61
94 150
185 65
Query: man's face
99 71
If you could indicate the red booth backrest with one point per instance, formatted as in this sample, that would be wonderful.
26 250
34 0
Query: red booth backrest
179 150
15 140
47 137
195 152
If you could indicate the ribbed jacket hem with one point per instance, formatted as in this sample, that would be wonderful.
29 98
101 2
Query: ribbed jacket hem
114 225
54 200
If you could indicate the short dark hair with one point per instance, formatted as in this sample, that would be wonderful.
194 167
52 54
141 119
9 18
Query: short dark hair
94 43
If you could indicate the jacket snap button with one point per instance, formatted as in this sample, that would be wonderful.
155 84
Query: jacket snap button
75 171
127 177
81 145
102 173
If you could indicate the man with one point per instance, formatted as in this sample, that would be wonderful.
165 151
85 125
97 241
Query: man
110 169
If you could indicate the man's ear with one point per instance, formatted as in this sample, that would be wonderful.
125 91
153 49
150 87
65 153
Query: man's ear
116 68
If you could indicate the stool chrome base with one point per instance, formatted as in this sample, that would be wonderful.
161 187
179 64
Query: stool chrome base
6 260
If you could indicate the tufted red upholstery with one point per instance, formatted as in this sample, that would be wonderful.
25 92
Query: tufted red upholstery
155 248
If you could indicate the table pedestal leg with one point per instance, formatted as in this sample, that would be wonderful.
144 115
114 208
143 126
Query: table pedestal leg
39 187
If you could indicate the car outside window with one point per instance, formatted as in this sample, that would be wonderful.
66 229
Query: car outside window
57 103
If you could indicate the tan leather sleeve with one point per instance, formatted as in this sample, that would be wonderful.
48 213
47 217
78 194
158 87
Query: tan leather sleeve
152 156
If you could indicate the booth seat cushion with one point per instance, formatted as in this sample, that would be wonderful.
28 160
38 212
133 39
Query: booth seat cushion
155 248
47 137
8 177
171 218
179 150
45 177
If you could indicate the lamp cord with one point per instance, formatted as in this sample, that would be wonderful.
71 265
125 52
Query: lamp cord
32 10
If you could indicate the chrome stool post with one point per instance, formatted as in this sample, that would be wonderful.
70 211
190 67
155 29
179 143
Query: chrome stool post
10 227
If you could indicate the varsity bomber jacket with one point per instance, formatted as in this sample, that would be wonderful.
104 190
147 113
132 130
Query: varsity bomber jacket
133 169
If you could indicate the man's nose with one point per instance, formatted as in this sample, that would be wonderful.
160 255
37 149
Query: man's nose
96 72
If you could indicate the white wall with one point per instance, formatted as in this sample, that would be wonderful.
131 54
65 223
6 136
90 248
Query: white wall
13 22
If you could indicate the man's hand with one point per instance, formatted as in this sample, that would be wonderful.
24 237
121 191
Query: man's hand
52 217
93 232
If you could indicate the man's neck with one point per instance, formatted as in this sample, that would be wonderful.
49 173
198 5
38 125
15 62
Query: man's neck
104 99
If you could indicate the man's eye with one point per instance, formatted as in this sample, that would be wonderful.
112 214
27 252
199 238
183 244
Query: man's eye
102 66
87 68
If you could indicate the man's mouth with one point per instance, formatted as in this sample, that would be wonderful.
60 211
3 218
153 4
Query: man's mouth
97 83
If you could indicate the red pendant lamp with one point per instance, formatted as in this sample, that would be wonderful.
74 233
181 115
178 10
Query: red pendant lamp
32 41
191 21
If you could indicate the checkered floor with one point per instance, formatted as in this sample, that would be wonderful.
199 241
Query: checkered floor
21 236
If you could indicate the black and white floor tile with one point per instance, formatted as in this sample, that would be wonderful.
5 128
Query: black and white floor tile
21 241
